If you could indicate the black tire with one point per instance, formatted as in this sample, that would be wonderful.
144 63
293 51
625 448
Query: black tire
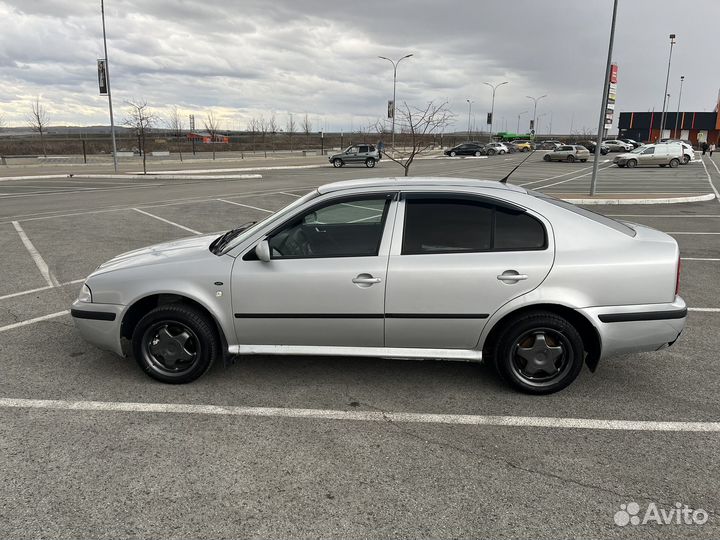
622 166
453 154
175 343
478 153
553 353
501 152
546 157
337 162
674 162
571 159
604 152
491 152
631 163
525 149
369 163
686 159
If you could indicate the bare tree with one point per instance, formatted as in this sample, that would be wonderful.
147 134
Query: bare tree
418 124
306 127
290 129
3 123
253 128
212 126
263 125
141 119
38 121
175 124
273 129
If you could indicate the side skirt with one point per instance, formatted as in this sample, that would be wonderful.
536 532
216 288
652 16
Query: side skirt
461 355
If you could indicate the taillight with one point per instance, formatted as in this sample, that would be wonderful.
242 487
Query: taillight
677 278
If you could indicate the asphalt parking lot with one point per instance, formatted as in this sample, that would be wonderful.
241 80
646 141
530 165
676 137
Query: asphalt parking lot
115 455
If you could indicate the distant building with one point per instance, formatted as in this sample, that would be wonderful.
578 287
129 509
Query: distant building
205 138
695 127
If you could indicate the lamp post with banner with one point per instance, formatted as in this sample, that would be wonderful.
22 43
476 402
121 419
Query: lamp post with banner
391 106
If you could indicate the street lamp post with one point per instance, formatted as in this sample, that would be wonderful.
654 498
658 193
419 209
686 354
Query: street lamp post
603 104
667 81
469 112
677 115
395 65
492 107
107 78
518 126
535 102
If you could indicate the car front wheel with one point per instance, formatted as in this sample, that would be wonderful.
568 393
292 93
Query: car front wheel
478 153
337 162
674 162
631 163
491 152
570 159
453 154
546 157
175 343
538 353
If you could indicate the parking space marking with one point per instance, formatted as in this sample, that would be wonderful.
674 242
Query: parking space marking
290 194
246 206
705 309
692 233
39 261
30 291
717 195
183 227
33 321
553 177
698 259
573 178
362 416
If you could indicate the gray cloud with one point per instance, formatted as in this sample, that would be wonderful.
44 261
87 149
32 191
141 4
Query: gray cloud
246 58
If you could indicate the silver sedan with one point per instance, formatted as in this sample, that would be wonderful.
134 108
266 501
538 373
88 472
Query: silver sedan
432 268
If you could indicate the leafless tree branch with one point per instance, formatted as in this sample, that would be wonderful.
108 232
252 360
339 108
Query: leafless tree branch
38 121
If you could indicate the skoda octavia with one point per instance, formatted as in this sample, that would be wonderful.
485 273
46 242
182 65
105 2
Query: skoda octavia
426 268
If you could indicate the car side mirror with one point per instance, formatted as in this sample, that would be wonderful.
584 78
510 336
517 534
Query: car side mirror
262 250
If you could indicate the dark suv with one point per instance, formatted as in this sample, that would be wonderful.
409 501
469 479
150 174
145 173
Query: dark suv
357 153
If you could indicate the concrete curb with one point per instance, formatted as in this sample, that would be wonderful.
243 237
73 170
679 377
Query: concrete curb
152 176
669 200
240 169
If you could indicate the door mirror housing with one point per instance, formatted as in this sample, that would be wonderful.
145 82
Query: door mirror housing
262 250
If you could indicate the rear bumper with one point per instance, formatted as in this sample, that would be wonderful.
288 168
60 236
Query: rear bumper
629 329
99 324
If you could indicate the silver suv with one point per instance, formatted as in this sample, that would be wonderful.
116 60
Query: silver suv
357 153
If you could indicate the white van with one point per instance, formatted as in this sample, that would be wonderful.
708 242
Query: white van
662 154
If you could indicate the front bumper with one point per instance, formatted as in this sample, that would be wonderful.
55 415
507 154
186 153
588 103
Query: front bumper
630 329
99 324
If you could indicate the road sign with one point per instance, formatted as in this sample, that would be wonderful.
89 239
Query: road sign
489 118
102 76
391 108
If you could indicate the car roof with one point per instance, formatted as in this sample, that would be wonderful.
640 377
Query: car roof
415 182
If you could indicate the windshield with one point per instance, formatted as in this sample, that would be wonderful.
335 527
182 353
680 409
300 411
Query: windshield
639 150
277 215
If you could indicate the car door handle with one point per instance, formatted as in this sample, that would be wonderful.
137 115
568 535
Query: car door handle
512 277
366 279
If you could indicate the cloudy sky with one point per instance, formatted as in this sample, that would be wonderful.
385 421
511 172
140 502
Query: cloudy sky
246 58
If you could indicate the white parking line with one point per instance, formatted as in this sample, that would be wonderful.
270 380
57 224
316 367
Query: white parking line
30 291
35 320
245 205
362 416
290 194
705 309
717 195
39 261
698 259
183 227
692 233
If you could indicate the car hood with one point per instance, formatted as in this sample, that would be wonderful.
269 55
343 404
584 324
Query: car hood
175 251
626 155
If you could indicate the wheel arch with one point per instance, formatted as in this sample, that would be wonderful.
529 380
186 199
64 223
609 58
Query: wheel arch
589 334
142 306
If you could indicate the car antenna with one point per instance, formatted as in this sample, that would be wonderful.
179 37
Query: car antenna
505 179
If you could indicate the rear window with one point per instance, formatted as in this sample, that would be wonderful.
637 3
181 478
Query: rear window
598 218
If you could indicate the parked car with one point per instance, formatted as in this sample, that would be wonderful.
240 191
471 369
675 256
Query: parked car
663 155
569 153
618 146
512 147
634 143
548 145
496 148
688 152
357 153
523 145
590 145
454 269
466 149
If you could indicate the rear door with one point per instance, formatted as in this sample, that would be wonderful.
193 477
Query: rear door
455 259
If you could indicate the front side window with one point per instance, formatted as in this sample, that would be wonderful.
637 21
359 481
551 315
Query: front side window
348 228
650 150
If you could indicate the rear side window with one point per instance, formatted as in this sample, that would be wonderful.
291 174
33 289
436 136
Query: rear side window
454 225
598 218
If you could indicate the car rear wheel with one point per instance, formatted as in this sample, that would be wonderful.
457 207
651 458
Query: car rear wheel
491 152
337 162
478 153
686 159
538 353
632 163
369 163
674 162
546 157
571 159
583 160
175 343
453 154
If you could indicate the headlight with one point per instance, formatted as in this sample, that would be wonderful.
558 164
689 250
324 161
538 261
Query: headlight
85 294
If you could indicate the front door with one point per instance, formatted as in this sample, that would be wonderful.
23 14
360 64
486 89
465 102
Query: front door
455 262
325 282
